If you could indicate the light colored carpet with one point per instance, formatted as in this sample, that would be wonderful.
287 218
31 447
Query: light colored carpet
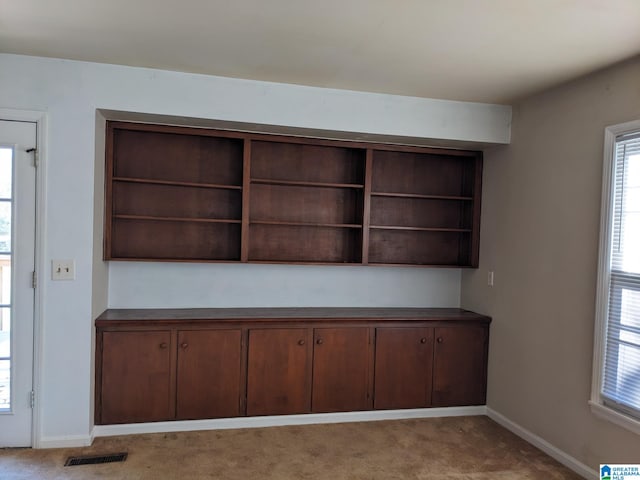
470 448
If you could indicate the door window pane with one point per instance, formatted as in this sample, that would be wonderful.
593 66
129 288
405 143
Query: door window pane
6 155
5 281
6 202
5 332
5 226
5 385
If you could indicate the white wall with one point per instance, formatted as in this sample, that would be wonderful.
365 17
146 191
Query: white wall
71 92
540 233
178 285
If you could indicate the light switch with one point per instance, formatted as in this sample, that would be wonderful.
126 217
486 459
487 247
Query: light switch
63 270
490 279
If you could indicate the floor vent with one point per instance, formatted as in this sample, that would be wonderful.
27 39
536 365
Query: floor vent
94 459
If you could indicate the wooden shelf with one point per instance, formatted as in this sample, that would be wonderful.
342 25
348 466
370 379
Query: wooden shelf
296 204
177 155
419 247
305 244
426 174
174 240
176 219
420 214
419 229
337 164
266 181
420 196
189 194
425 208
159 200
305 224
177 184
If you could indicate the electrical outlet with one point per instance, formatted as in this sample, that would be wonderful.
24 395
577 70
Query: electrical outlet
490 279
63 270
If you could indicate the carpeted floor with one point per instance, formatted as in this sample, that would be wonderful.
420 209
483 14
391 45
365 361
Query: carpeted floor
469 448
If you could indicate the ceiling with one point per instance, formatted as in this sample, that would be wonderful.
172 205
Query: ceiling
492 51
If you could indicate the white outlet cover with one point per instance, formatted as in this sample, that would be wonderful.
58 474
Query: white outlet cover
63 270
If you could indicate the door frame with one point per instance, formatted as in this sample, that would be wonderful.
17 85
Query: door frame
40 119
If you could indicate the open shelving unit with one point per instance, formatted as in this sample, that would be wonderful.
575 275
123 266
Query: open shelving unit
423 208
172 195
191 194
305 203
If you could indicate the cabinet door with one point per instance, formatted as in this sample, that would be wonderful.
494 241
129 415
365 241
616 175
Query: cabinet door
404 359
279 371
341 366
208 383
459 370
137 383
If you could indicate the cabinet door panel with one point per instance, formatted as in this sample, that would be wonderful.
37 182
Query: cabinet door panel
341 363
279 371
459 371
208 374
136 377
404 359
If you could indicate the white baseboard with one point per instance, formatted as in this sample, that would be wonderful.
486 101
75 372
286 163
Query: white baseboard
554 452
282 420
68 441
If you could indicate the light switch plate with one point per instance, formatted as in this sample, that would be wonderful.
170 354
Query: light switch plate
63 270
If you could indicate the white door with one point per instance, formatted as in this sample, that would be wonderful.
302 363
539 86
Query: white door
17 253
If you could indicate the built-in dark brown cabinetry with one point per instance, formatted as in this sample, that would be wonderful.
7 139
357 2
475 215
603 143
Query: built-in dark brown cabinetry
189 194
458 377
403 367
305 203
136 377
341 369
172 195
208 374
158 364
423 208
281 379
278 373
154 375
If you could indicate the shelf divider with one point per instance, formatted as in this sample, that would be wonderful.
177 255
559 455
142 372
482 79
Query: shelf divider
366 208
246 192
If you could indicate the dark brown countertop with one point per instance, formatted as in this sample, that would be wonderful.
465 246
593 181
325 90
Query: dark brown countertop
169 315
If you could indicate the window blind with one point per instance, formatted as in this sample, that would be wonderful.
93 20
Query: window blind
621 383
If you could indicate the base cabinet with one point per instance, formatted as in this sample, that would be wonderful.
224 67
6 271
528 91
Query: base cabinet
403 368
460 366
221 363
136 377
152 376
289 373
279 371
341 367
208 374
439 367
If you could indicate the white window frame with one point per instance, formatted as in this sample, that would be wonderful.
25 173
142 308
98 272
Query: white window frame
596 402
